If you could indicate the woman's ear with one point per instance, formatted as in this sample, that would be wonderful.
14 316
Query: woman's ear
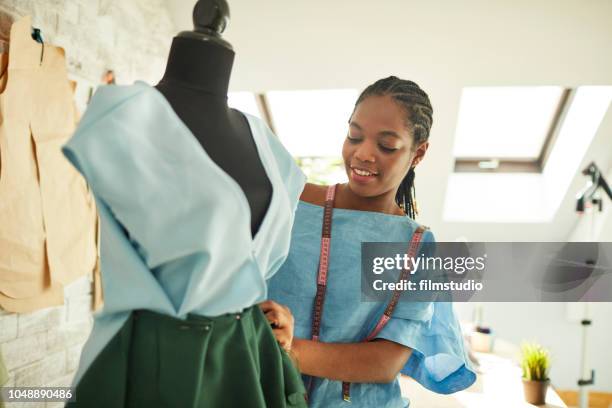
419 153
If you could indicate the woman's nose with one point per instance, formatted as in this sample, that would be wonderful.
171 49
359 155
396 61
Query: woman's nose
365 153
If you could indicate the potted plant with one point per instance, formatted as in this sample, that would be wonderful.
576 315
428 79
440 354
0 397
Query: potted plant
535 362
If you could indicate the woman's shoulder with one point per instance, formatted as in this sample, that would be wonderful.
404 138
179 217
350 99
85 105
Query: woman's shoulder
314 194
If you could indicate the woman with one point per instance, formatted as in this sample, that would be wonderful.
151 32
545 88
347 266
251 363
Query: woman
387 138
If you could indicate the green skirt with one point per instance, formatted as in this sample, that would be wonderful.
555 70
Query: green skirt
157 360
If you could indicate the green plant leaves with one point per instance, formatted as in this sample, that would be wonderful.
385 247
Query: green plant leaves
535 362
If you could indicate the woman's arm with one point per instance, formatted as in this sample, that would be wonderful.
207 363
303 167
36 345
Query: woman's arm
377 361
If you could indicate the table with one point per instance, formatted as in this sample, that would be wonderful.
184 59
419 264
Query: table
498 385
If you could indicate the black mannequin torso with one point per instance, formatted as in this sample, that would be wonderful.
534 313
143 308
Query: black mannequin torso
195 84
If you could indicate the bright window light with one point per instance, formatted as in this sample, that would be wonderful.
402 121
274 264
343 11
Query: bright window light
323 170
532 197
312 123
244 102
505 122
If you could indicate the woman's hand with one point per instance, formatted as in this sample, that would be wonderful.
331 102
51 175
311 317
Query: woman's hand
281 320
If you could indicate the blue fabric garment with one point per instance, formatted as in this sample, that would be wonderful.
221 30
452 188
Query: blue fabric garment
438 360
175 228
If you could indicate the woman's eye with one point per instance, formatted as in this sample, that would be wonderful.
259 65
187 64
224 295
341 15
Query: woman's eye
387 149
353 139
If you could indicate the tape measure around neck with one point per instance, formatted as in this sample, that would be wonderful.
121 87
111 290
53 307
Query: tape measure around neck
323 272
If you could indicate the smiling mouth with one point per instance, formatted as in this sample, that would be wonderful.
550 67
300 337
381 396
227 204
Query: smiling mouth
363 172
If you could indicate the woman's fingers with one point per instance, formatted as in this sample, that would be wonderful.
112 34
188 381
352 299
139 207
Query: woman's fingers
283 338
274 318
282 322
276 313
271 305
280 319
267 305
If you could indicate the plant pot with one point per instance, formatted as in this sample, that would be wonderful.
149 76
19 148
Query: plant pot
535 391
481 342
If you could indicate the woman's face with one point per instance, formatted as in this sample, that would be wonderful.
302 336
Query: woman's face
378 150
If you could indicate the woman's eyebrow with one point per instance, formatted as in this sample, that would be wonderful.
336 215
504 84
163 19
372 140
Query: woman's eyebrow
389 133
381 133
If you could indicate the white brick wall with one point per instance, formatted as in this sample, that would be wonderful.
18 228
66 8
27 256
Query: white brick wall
131 37
43 348
8 325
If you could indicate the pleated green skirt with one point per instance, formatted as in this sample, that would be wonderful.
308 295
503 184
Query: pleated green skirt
156 360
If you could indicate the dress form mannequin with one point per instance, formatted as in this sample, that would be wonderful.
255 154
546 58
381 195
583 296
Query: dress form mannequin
183 276
195 84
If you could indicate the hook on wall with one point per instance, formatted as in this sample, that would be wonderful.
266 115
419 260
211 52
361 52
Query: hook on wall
37 36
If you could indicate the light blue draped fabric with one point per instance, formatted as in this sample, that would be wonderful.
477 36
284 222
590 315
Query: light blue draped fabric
438 361
175 228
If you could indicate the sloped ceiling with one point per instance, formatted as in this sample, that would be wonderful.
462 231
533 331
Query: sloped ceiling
444 46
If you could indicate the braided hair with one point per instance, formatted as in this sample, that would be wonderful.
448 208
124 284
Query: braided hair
419 117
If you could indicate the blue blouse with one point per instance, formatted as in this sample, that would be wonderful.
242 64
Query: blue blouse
438 360
175 228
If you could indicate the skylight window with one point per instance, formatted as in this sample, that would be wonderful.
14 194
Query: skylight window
507 129
532 197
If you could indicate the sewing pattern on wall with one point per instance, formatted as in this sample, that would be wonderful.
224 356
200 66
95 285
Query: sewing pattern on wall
48 222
